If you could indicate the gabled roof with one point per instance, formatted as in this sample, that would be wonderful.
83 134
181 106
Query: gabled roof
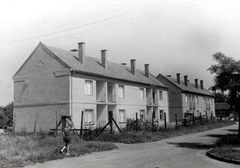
190 88
93 66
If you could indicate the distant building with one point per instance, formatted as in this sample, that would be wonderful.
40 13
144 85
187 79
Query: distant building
186 97
55 81
222 109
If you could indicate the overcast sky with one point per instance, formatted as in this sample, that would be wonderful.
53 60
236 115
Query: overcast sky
173 36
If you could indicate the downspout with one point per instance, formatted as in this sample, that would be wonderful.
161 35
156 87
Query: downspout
70 92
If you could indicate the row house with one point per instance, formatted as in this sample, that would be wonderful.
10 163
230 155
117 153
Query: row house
187 97
54 82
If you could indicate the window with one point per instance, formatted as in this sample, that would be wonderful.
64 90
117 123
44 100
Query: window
160 95
196 100
121 91
161 115
141 90
142 114
88 117
186 98
88 87
121 116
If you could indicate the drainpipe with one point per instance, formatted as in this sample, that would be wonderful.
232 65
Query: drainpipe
70 92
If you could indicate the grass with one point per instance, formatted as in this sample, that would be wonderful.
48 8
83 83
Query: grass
227 147
23 149
150 136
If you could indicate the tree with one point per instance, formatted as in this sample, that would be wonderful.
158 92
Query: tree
9 114
6 116
227 79
220 97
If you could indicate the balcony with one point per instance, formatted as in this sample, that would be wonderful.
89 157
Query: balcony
105 92
208 105
101 98
192 105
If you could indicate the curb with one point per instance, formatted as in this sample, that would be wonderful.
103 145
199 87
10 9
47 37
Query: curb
209 154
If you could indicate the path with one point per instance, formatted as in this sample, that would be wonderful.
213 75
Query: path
188 151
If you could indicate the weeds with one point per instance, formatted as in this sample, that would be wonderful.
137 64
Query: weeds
25 148
145 132
227 147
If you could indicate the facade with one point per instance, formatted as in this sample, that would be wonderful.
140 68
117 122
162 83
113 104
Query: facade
186 97
54 82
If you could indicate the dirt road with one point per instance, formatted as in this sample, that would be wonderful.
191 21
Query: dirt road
188 151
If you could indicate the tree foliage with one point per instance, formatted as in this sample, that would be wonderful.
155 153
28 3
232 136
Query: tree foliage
6 115
227 77
220 97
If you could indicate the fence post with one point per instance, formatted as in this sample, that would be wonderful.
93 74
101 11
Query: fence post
185 119
165 120
200 117
176 119
35 124
206 117
152 121
111 118
56 122
136 122
193 118
14 120
81 126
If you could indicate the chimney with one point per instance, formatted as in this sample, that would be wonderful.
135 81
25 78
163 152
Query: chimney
146 70
201 84
81 52
133 66
186 80
104 58
178 78
196 83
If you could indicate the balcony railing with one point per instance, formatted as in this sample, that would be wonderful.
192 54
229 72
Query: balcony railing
192 105
101 97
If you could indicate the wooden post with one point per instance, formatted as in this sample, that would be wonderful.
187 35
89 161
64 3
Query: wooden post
136 122
81 127
111 125
165 120
56 122
185 119
152 121
211 117
176 119
193 118
14 120
206 117
35 124
200 117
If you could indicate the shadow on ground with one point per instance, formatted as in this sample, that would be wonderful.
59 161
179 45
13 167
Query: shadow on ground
215 135
191 145
232 130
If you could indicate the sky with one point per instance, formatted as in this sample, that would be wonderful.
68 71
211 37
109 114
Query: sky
172 36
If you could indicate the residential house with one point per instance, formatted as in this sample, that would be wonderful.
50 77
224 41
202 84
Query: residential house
54 82
187 97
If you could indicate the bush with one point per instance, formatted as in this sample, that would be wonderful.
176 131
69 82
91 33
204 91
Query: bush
142 125
230 139
145 132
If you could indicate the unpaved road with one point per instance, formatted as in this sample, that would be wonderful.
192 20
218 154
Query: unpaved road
188 151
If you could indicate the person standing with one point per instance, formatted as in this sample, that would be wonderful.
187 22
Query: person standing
66 138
